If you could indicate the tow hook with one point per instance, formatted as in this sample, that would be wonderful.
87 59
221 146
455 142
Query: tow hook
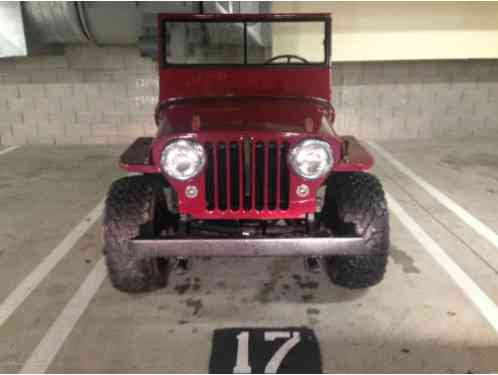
313 264
182 265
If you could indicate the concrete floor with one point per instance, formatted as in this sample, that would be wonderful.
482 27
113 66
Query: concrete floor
417 319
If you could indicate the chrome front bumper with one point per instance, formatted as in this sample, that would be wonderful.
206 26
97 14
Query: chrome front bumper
250 247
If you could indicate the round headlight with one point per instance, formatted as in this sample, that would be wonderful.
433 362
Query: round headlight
183 159
311 158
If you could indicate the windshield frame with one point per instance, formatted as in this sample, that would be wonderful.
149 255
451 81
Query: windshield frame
244 19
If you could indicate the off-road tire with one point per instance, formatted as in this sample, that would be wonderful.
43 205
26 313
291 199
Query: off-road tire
355 204
129 211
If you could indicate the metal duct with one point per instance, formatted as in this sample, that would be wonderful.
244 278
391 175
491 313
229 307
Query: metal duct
55 22
117 22
12 41
41 26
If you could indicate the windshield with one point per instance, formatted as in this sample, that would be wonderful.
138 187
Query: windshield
266 42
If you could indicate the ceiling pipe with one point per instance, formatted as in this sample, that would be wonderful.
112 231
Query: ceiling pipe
42 25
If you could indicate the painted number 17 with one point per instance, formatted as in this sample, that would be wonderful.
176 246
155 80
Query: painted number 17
242 362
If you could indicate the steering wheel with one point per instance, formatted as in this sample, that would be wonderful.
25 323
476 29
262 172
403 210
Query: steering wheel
288 57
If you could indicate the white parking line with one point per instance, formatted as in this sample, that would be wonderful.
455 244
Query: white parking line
484 304
24 289
8 149
463 214
49 346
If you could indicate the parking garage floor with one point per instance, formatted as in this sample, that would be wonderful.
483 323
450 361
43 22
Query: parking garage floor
435 310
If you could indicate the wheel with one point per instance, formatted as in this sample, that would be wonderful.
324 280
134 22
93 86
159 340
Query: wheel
355 205
134 206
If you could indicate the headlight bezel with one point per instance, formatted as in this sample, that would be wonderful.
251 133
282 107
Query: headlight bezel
194 146
299 147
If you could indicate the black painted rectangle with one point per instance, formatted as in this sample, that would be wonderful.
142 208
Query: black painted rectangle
304 357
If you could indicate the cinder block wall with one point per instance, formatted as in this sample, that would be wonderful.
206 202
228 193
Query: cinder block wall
107 95
401 100
89 95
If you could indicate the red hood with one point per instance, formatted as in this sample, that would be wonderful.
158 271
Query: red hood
277 114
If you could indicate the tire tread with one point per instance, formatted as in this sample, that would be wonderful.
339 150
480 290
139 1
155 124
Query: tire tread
128 206
358 199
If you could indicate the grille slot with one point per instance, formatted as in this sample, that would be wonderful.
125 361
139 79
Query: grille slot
248 175
209 177
222 176
234 176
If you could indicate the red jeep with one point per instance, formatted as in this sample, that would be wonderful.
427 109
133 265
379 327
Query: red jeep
245 161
